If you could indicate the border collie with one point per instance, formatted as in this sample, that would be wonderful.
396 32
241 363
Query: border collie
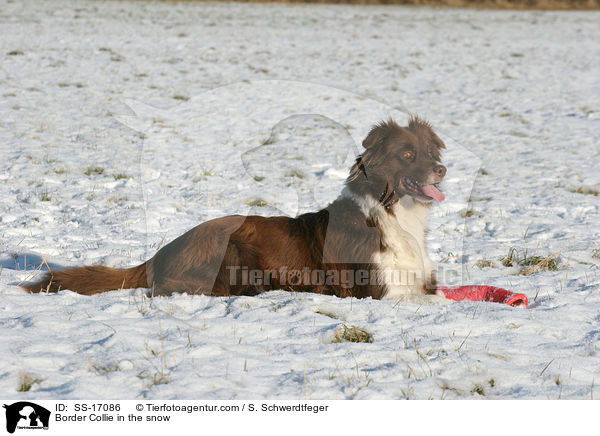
370 242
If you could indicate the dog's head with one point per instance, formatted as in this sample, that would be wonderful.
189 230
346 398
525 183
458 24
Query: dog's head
400 161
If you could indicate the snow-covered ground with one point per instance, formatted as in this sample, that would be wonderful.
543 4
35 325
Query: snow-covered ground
124 124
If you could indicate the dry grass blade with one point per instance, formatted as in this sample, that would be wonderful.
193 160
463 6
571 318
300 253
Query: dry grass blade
531 264
586 191
26 382
352 334
535 264
485 263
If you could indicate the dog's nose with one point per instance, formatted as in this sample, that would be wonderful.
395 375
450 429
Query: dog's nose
440 171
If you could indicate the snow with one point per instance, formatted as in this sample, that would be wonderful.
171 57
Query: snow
124 124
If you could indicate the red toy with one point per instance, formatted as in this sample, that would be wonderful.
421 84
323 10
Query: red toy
484 293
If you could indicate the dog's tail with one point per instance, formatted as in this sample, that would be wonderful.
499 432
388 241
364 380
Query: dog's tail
90 280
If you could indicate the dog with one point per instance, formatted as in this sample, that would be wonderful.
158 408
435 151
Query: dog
369 242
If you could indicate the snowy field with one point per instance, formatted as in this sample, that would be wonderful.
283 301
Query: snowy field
124 124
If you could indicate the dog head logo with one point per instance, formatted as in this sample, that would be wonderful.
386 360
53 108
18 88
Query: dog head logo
26 415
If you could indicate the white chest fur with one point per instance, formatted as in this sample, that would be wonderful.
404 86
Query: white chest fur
403 264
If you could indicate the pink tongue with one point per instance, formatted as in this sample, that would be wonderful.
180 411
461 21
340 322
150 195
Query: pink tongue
433 192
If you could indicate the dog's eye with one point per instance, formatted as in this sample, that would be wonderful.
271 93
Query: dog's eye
408 155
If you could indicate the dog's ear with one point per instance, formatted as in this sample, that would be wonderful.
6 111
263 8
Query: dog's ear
438 142
378 134
423 128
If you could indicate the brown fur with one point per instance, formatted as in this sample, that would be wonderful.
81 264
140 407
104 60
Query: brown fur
338 238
